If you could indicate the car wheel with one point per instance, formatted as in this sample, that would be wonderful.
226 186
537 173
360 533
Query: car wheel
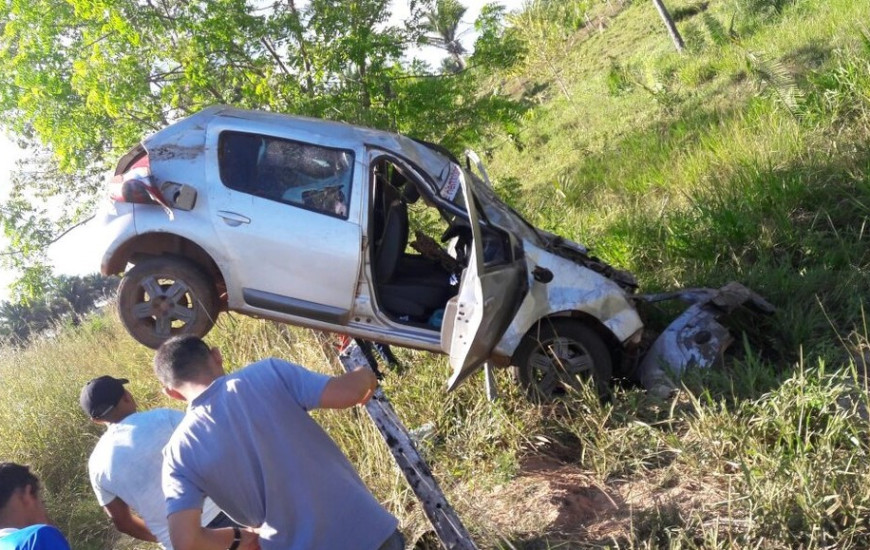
164 297
559 355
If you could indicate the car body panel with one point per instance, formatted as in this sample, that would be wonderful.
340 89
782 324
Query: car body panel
573 289
697 338
118 226
265 254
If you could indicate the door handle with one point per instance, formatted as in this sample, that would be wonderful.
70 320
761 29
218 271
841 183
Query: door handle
232 219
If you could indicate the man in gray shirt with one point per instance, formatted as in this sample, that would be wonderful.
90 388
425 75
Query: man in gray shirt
248 442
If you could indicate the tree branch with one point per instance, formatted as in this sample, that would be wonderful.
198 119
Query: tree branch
275 55
54 240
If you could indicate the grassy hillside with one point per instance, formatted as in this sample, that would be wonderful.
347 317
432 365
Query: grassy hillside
746 158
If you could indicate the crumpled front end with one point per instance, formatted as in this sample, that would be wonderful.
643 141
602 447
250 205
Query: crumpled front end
696 338
562 286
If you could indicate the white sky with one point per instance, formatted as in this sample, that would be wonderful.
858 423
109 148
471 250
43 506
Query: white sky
74 253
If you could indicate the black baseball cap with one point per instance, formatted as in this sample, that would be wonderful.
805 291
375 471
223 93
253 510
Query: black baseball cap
100 395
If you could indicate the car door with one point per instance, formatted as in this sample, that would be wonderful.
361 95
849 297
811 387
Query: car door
489 293
291 235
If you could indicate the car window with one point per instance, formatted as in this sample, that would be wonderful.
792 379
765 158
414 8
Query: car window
305 175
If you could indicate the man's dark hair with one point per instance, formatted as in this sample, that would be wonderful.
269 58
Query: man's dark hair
12 477
180 359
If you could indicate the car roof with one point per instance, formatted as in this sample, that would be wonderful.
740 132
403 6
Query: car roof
190 132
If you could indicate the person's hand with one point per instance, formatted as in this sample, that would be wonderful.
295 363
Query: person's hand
351 388
373 385
250 540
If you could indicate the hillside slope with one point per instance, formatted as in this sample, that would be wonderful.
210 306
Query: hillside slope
746 158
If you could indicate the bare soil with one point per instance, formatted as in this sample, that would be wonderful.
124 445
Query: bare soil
555 504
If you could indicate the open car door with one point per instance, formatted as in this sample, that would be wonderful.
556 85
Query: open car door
489 293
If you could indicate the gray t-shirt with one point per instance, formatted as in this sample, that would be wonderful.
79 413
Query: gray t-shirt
249 443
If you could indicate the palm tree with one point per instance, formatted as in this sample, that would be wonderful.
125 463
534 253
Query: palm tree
77 295
440 25
70 295
14 323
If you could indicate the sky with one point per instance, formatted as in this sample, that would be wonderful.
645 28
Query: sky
74 253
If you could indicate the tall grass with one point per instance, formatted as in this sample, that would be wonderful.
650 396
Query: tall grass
747 456
41 423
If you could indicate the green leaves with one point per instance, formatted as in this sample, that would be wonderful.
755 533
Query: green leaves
85 80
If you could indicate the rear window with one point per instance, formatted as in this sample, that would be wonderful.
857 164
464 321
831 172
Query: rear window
309 176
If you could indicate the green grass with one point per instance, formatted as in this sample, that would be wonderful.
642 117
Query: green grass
745 159
779 458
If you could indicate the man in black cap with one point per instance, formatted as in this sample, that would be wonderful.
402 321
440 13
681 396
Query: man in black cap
125 466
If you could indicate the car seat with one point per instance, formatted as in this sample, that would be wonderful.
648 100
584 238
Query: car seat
407 285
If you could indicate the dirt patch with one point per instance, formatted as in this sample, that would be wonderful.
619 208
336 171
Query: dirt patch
553 502
549 497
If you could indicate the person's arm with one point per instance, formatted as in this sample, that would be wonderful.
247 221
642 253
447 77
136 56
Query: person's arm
127 522
186 533
351 388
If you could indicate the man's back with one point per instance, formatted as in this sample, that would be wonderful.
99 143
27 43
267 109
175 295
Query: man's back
127 462
248 442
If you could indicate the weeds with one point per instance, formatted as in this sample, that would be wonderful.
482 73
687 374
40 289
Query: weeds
842 93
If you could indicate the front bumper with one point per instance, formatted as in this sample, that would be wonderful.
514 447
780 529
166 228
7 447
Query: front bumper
696 338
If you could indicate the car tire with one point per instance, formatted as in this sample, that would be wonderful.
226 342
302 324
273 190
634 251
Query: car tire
558 356
165 296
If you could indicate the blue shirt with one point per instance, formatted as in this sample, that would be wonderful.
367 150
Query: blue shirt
34 537
249 443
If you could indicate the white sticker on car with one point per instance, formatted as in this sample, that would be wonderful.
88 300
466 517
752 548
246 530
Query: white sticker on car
454 183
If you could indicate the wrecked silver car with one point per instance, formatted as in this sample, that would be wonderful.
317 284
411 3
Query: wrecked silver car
370 234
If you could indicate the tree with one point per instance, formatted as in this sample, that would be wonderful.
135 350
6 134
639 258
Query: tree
670 25
67 298
86 79
81 82
75 296
37 212
440 24
14 325
498 46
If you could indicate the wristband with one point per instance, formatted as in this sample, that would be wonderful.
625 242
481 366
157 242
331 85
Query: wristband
237 538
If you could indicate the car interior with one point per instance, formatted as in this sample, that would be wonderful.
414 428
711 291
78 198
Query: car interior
412 288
